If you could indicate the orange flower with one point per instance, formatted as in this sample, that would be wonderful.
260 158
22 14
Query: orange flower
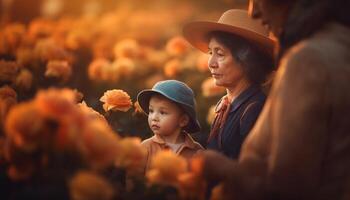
116 100
11 38
209 88
177 46
102 70
8 98
202 62
166 167
217 193
24 79
27 58
172 68
56 103
59 69
78 38
90 186
211 114
8 70
98 144
103 48
192 186
25 125
49 49
40 28
137 108
91 113
127 48
125 67
131 155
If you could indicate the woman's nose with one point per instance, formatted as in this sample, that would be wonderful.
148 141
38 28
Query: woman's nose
212 63
253 9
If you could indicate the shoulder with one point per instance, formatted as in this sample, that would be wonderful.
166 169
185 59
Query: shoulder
147 142
190 142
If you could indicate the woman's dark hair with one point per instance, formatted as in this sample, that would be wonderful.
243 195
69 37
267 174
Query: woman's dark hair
308 16
256 64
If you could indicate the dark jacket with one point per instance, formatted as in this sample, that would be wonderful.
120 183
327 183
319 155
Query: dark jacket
243 113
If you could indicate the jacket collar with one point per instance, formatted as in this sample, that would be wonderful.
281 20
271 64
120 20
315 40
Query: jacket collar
243 97
189 142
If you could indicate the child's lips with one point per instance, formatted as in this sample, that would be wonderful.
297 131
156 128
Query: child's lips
155 127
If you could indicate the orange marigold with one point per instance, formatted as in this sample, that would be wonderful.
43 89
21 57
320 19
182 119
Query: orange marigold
8 98
90 186
202 62
59 69
8 70
211 114
172 68
177 46
98 144
116 100
166 167
127 48
131 155
125 67
56 103
24 79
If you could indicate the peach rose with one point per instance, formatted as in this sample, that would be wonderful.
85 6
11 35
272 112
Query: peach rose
131 155
116 100
177 46
8 70
90 186
59 69
166 168
209 88
24 79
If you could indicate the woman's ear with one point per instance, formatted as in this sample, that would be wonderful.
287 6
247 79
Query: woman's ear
184 120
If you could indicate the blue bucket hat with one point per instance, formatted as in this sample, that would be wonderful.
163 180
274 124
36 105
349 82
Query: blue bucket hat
175 91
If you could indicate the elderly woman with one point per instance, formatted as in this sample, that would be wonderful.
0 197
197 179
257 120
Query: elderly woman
300 146
240 60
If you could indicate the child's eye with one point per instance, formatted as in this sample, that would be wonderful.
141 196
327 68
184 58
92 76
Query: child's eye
163 113
150 110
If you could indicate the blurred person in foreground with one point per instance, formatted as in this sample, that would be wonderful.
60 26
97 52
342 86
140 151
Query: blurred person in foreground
299 148
240 59
171 109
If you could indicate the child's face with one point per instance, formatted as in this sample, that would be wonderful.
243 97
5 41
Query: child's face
165 117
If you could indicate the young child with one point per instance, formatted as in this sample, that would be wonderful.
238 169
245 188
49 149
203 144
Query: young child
170 106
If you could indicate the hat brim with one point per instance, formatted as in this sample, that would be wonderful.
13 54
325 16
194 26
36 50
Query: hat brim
196 33
144 97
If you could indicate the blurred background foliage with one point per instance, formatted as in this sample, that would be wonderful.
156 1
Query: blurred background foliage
80 37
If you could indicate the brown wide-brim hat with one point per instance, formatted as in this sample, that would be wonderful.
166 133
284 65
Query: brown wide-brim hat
236 22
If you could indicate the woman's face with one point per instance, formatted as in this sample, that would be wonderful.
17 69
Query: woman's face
273 13
224 68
